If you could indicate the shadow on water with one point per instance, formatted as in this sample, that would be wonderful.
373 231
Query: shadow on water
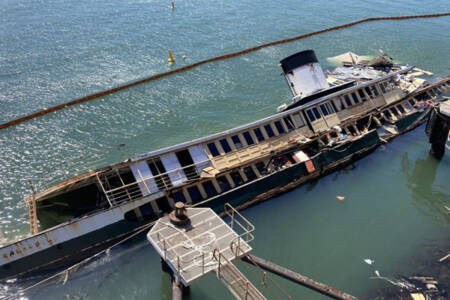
420 176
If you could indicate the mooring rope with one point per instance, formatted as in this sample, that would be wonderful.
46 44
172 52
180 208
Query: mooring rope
202 62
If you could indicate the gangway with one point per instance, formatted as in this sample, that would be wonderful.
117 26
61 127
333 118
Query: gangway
234 280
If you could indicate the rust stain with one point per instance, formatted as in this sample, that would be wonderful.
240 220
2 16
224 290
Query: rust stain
37 244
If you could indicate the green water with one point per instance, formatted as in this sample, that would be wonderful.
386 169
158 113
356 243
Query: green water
52 52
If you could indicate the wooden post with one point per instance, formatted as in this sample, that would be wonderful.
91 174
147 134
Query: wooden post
298 278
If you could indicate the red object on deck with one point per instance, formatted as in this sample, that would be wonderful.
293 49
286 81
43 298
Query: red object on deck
310 166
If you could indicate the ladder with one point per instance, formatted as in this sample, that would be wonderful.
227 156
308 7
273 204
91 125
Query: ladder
235 281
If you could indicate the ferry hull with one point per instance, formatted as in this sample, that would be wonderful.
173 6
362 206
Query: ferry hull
76 249
69 252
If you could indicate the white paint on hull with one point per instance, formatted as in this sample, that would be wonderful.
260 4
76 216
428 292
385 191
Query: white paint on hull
68 231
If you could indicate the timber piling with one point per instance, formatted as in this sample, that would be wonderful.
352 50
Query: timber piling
297 278
438 127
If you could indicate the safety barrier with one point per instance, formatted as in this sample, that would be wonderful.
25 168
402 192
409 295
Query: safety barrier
217 58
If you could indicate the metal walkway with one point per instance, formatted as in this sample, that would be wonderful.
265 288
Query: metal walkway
235 281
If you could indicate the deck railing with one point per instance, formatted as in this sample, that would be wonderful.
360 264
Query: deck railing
239 224
150 185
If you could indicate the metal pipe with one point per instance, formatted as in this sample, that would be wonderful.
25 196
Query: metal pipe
298 278
177 291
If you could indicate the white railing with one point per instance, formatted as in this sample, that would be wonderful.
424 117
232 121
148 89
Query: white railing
239 224
139 188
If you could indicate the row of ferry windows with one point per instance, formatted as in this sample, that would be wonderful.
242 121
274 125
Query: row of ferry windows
399 109
223 183
287 121
347 100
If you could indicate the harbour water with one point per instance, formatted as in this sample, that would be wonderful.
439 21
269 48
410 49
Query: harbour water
52 52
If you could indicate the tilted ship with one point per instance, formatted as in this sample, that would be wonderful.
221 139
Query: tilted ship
333 119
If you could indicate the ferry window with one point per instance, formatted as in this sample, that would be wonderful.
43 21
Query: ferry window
298 120
258 134
394 111
324 110
213 149
279 127
289 123
329 107
362 95
375 91
209 188
401 109
162 181
269 130
387 114
237 178
194 193
334 106
310 115
347 100
178 197
340 104
225 146
368 91
248 138
316 112
250 173
352 130
261 168
223 183
355 98
412 102
408 106
237 141
381 85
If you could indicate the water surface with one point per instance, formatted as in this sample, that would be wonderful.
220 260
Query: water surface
52 52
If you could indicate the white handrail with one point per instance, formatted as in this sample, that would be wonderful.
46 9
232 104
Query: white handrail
155 176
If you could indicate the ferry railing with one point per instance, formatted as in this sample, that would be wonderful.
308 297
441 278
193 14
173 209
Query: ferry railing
241 225
150 185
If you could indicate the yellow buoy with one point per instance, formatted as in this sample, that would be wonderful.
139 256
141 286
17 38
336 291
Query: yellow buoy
171 60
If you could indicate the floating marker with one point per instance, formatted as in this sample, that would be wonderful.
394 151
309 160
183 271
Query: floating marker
172 7
171 59
340 198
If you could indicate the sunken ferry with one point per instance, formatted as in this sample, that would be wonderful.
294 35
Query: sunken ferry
334 118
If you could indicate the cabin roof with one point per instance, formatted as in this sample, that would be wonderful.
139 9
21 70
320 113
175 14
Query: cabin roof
353 88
